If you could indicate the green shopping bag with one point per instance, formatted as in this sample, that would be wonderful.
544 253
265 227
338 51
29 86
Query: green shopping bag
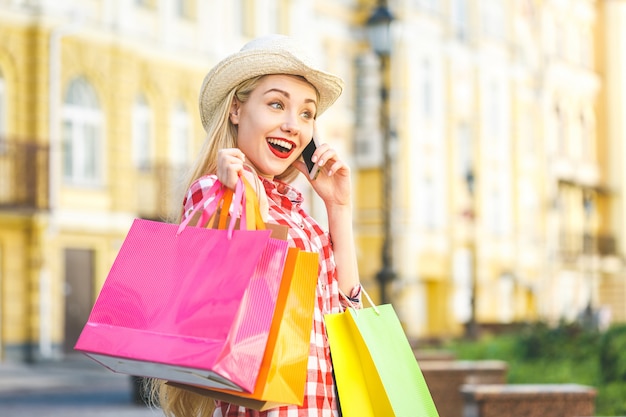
375 369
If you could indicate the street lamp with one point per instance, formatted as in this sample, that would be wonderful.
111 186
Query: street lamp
472 325
379 34
588 251
379 30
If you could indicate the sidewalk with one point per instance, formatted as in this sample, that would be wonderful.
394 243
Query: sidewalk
75 386
75 373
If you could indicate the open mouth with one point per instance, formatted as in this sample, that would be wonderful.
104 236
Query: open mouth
280 147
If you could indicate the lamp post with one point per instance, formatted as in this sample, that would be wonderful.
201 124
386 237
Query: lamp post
588 251
379 35
472 325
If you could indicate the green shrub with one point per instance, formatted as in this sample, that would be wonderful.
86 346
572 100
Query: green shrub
568 340
611 399
613 355
568 353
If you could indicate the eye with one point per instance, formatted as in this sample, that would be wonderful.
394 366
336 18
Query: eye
308 114
277 105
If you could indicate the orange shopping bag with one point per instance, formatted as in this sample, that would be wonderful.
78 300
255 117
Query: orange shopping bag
282 377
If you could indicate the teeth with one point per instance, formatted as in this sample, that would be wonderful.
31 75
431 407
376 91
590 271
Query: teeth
281 143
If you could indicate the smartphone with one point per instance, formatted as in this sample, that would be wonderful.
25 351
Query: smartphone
307 154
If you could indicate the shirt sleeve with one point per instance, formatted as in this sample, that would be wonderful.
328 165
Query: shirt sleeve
196 193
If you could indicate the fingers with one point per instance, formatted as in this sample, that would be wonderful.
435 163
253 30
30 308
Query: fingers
229 166
327 158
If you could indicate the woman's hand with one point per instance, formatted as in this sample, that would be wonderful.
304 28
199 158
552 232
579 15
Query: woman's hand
230 166
333 182
333 186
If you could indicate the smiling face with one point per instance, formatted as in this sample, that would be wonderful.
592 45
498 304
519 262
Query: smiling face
276 122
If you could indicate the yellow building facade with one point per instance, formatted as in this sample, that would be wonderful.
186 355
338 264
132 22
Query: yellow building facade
506 204
506 124
98 123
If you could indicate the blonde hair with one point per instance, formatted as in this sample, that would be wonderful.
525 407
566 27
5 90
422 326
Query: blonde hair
178 402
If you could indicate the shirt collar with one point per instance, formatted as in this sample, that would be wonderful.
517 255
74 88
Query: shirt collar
278 189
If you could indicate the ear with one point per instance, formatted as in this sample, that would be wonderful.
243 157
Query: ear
234 112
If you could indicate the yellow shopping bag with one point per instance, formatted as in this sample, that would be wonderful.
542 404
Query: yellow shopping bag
375 369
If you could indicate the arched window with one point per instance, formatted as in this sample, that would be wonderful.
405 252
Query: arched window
143 143
460 19
180 137
82 135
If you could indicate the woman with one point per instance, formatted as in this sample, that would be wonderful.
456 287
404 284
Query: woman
258 107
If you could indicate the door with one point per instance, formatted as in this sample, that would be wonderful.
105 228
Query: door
1 301
79 278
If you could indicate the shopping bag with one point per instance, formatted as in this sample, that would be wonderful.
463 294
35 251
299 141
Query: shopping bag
189 304
283 372
376 372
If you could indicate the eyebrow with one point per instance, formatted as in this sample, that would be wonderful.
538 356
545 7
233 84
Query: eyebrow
286 94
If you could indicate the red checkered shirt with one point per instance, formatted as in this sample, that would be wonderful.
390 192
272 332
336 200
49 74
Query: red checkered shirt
304 233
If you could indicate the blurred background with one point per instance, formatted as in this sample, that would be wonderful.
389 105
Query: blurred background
486 140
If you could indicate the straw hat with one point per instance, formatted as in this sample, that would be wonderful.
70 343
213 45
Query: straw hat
272 54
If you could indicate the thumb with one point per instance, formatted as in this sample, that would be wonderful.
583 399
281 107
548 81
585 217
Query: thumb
301 166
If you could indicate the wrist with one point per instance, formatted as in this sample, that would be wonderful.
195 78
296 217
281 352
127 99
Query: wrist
338 208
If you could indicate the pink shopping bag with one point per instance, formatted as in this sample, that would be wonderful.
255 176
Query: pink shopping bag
188 304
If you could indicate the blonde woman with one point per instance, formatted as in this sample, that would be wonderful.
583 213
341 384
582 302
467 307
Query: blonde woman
258 107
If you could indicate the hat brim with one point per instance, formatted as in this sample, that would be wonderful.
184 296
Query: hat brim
245 65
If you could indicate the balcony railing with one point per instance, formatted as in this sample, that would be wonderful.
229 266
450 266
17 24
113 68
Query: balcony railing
573 245
23 175
158 191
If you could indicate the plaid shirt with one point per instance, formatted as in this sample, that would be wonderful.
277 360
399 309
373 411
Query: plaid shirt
306 234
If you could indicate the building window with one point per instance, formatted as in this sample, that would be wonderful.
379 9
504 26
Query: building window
148 4
560 40
432 200
526 128
493 18
464 148
244 17
460 19
429 6
3 107
185 9
497 119
498 208
561 131
427 90
585 38
180 137
273 16
82 135
587 137
142 147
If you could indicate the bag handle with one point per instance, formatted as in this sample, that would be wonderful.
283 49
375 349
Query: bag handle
217 192
244 204
351 303
251 216
259 190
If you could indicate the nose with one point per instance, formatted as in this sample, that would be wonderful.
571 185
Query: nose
290 126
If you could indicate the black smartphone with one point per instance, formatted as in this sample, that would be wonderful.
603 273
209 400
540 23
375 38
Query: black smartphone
307 154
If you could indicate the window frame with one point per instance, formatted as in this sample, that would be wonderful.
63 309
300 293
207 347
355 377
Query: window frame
82 136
